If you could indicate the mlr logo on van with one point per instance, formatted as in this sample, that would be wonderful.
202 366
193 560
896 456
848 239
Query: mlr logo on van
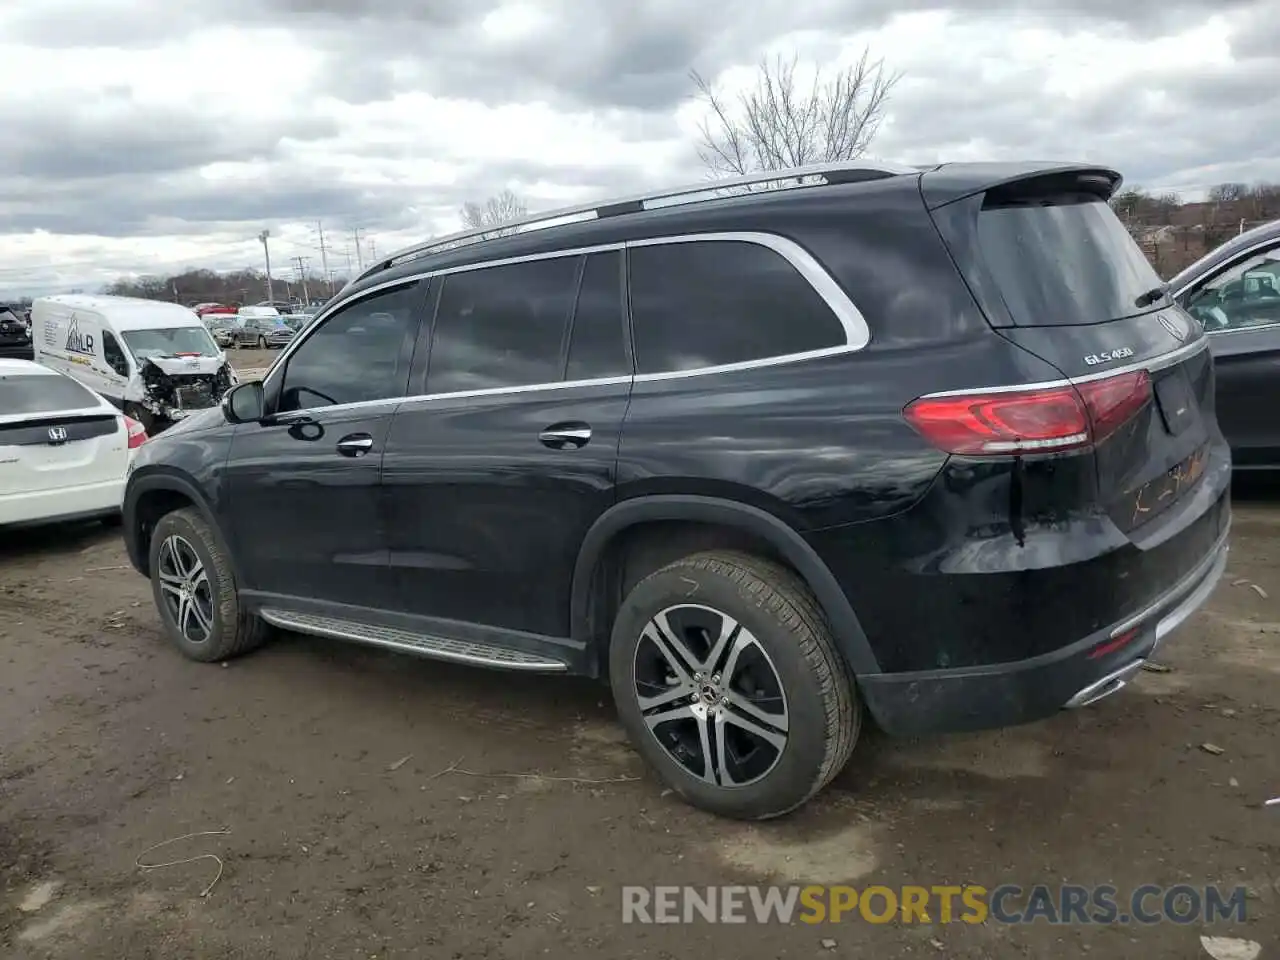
78 342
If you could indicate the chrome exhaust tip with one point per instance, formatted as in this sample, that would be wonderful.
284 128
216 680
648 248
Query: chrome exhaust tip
1113 682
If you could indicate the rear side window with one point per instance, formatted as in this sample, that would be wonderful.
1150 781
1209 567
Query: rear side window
502 326
596 344
1064 260
707 303
43 393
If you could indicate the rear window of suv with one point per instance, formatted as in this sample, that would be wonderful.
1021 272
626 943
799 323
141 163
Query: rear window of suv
1063 260
42 393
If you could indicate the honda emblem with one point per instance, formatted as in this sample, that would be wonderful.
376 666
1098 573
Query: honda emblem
57 434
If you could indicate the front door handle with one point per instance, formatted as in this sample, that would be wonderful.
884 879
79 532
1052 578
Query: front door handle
562 435
355 445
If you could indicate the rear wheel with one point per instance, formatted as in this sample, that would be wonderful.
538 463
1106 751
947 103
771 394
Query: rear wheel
262 343
729 684
195 591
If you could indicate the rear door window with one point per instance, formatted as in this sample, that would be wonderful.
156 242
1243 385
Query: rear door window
1064 259
708 303
502 326
42 393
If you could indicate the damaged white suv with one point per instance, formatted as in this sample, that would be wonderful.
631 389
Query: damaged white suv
155 361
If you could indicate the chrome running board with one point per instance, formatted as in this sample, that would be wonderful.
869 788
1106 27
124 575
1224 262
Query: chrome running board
405 641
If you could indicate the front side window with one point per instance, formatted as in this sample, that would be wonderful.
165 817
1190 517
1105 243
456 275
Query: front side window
502 326
356 356
113 354
1245 295
711 302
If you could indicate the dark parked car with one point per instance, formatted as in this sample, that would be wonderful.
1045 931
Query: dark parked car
261 332
933 444
1234 291
15 337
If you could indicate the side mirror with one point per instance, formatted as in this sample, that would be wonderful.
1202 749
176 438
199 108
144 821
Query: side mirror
244 403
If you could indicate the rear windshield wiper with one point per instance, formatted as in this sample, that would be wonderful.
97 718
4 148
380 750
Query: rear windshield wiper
1153 295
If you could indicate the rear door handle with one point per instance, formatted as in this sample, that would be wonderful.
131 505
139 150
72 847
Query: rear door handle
355 445
561 435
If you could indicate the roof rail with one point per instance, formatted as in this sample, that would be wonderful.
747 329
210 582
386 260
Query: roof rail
843 171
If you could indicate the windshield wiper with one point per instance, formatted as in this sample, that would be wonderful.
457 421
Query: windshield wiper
1153 295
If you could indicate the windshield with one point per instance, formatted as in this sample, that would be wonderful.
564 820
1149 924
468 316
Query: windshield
1065 260
43 393
171 342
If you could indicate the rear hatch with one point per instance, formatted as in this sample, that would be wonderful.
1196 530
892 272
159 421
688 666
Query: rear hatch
55 434
1059 275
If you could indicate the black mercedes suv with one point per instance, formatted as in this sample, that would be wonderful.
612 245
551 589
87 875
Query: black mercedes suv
925 447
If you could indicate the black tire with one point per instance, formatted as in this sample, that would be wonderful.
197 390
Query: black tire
262 343
821 701
232 631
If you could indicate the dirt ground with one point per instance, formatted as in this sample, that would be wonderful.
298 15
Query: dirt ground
321 764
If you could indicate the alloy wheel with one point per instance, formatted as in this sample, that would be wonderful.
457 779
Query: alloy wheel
710 695
185 587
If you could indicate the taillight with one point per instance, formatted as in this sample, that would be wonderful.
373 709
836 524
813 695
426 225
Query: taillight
1040 420
137 433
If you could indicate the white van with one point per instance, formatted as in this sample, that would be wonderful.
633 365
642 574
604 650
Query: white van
155 361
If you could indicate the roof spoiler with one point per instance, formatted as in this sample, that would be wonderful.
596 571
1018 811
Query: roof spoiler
957 181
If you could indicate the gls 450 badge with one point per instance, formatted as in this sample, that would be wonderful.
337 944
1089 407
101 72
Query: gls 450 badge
1106 356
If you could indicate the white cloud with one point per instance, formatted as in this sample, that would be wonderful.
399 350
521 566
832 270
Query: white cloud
145 137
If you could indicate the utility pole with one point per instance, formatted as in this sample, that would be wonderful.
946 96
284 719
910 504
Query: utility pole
267 251
355 235
373 251
302 275
324 261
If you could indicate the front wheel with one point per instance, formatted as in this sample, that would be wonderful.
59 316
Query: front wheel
262 343
729 684
195 591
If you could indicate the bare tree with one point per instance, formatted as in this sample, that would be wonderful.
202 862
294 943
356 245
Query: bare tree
1129 204
1228 192
499 211
780 124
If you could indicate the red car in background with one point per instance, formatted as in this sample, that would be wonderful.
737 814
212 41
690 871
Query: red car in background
208 309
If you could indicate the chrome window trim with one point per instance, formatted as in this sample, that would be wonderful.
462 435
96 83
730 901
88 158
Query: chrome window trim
854 324
1226 331
1153 364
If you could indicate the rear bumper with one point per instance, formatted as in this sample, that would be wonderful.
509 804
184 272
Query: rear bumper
977 698
17 351
67 503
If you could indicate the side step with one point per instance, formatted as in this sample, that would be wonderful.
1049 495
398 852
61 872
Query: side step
405 641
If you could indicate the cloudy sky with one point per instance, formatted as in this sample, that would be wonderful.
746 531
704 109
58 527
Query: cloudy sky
151 135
